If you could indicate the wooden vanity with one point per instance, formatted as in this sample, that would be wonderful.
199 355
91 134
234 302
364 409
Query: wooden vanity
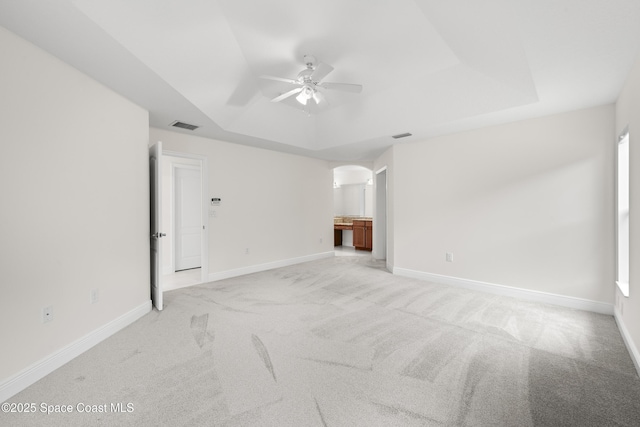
362 232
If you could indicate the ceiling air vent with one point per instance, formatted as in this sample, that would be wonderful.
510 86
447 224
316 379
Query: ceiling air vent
182 125
401 135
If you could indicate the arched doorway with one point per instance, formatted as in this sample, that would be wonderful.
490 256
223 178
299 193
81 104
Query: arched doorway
353 203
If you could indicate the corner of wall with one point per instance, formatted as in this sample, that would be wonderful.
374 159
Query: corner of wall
634 352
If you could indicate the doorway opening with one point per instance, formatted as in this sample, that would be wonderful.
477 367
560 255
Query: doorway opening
353 210
184 208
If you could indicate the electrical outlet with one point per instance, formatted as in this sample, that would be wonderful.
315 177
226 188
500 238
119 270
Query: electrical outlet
449 257
321 240
246 251
47 314
95 296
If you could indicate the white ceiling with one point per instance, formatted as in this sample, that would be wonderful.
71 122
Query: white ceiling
428 67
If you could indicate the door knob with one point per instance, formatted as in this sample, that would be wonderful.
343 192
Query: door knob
158 235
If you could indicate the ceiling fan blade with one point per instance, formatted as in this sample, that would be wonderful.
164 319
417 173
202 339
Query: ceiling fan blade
286 94
345 87
280 79
321 72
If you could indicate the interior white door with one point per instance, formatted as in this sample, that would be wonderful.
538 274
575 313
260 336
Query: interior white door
155 183
188 217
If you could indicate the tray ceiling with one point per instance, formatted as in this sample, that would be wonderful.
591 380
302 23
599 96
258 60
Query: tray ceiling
427 67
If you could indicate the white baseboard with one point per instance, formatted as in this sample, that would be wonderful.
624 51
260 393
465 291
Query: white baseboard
537 296
23 379
633 350
227 274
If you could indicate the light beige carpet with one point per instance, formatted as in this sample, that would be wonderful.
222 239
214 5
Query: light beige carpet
341 342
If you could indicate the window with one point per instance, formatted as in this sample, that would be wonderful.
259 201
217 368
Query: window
622 223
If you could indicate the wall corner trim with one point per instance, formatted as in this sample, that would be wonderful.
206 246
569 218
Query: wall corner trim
628 341
23 379
227 274
527 294
390 268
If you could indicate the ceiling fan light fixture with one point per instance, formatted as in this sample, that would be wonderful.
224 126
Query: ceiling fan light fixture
307 93
317 96
302 98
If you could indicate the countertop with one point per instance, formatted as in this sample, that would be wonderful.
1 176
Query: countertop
348 221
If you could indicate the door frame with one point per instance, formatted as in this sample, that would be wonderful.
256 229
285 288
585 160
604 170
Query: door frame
204 187
381 227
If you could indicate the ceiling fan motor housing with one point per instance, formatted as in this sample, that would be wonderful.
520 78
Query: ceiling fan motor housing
304 76
309 60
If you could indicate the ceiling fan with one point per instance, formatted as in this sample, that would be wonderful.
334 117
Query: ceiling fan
309 80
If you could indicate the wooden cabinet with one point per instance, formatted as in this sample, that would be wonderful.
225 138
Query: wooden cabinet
337 237
337 232
363 235
359 234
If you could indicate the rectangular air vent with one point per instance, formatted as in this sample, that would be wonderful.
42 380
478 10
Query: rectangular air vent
178 124
401 135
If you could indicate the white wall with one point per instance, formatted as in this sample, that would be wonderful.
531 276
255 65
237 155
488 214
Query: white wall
344 175
75 205
628 114
353 196
277 205
353 200
338 202
526 205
